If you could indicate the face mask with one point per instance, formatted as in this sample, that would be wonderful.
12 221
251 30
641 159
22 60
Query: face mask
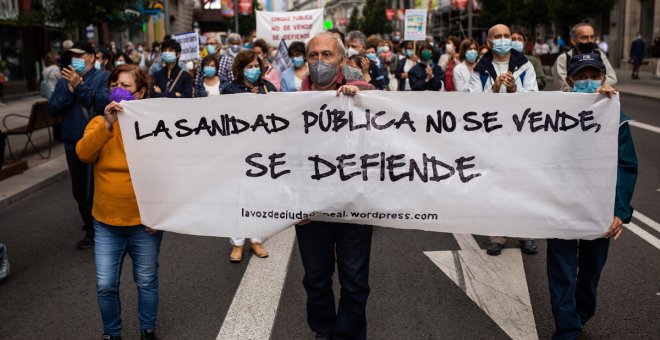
409 52
449 48
502 46
298 61
586 86
386 49
517 45
352 52
471 56
168 57
119 93
235 48
190 65
371 56
156 49
586 47
396 38
252 74
211 49
209 71
97 65
379 50
78 64
119 62
427 55
322 73
140 49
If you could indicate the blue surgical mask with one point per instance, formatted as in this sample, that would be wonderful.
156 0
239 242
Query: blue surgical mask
252 74
119 62
97 65
379 50
502 46
471 55
371 56
586 86
298 61
517 45
168 57
209 71
211 49
235 48
78 64
409 52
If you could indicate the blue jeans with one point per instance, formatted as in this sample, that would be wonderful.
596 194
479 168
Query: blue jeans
111 244
574 268
317 242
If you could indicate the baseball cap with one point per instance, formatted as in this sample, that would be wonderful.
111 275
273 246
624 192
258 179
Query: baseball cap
82 47
580 61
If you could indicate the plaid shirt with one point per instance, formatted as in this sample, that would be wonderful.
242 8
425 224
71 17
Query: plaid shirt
226 74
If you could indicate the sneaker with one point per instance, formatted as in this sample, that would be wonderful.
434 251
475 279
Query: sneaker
236 254
494 249
86 243
320 336
111 337
258 250
149 334
4 266
528 247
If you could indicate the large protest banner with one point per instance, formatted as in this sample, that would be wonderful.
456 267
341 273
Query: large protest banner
189 45
289 26
532 165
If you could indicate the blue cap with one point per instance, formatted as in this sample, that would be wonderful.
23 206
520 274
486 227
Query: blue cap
580 61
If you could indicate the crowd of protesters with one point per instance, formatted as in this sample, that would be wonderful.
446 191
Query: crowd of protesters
87 85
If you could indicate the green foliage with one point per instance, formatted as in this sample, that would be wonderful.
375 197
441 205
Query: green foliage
354 23
73 14
374 17
246 23
31 18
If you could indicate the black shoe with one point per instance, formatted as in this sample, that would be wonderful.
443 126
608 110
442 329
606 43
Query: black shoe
494 249
87 241
528 247
149 334
320 336
111 337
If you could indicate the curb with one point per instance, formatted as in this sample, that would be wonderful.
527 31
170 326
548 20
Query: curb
16 187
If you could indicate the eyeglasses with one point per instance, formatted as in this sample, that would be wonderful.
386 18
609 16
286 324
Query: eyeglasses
325 55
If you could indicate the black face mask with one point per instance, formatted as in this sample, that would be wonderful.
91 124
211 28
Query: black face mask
586 47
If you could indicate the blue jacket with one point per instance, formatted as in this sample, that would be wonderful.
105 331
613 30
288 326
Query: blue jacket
626 175
183 85
92 94
417 78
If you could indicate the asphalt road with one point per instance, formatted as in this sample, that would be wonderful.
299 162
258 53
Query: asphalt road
51 291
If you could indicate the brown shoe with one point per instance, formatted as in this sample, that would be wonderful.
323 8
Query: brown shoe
258 250
236 254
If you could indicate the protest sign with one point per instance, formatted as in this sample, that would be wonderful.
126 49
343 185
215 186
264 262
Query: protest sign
534 165
415 25
289 26
189 45
282 60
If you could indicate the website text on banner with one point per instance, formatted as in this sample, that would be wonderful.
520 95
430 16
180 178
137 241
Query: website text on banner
415 25
536 165
289 26
189 45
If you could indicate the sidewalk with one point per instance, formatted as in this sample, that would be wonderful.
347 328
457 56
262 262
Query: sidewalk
40 172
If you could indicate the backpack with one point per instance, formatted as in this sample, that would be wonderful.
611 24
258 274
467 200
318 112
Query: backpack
44 88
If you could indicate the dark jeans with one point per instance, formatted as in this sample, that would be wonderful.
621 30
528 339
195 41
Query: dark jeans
317 242
574 268
82 185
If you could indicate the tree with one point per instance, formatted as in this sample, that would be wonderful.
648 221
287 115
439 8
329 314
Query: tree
246 23
77 14
374 17
354 21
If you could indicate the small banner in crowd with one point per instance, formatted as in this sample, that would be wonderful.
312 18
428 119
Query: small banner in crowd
415 25
282 61
289 26
189 45
535 165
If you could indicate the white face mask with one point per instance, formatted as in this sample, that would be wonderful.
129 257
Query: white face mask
449 48
352 52
190 65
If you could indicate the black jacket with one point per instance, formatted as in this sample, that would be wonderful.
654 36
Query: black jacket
417 78
183 85
234 87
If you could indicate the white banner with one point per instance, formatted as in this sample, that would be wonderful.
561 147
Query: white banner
189 45
532 165
415 25
289 26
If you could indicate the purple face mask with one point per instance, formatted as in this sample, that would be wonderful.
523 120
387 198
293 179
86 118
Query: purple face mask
119 93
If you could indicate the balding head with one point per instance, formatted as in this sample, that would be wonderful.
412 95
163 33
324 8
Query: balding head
328 41
499 31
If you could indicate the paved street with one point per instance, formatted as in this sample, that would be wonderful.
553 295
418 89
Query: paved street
51 290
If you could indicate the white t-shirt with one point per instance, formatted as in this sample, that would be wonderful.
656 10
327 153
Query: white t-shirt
213 90
406 67
501 66
298 82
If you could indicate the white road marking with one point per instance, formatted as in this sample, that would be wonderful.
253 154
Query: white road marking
645 235
646 220
497 284
252 312
645 126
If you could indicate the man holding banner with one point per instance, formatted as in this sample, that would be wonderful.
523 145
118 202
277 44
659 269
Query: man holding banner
323 243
